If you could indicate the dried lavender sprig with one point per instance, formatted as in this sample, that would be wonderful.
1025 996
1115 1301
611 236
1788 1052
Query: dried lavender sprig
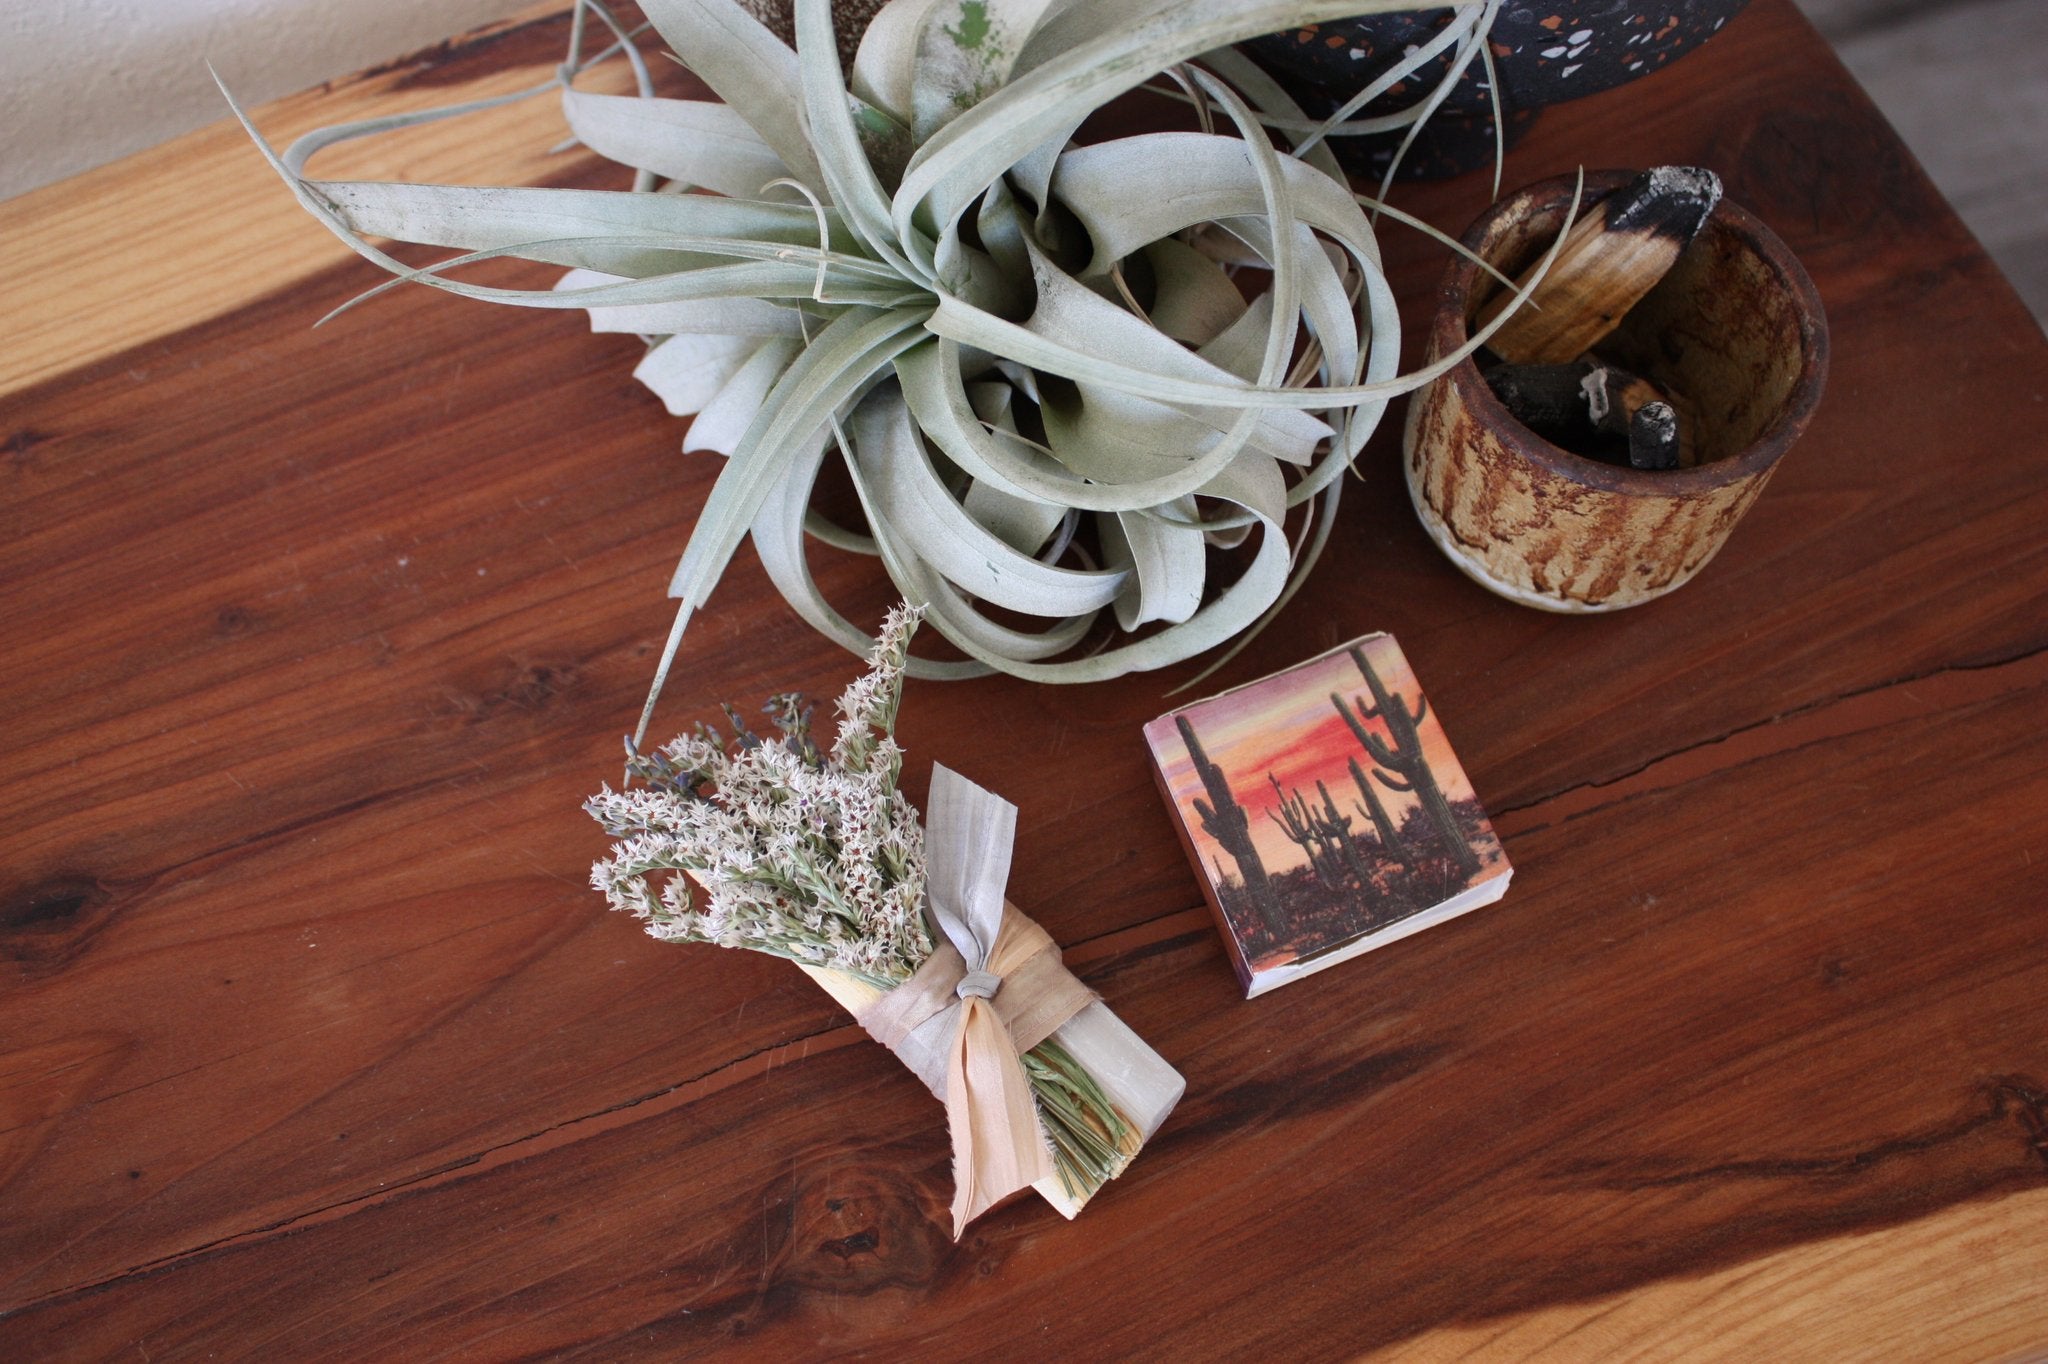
868 707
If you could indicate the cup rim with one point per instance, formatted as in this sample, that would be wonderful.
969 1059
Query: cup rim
1449 330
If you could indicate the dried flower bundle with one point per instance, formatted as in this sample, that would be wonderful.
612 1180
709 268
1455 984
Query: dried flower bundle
775 845
909 263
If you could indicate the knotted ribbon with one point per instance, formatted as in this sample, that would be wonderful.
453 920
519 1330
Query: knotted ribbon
993 990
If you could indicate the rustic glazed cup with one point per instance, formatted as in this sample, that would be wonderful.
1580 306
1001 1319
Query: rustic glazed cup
1735 337
1543 54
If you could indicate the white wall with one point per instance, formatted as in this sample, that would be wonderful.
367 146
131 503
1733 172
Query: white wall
86 81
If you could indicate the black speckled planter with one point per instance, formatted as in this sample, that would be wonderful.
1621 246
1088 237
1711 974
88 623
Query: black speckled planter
1546 53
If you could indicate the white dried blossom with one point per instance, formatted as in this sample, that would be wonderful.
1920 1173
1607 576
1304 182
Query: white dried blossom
816 857
867 708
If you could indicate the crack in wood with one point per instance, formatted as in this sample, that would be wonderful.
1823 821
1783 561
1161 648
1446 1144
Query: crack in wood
549 1138
2012 1098
427 65
1846 713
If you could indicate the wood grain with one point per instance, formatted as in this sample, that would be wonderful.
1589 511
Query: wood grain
84 259
1961 81
1928 1282
312 1041
1464 1151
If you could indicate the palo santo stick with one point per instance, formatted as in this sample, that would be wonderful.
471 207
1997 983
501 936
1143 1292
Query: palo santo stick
1610 260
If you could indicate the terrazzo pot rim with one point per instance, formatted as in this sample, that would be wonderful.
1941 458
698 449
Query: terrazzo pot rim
1450 328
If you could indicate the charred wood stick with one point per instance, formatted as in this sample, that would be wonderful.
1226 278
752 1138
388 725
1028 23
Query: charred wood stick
1547 398
1570 404
1613 255
1614 396
1653 437
1593 409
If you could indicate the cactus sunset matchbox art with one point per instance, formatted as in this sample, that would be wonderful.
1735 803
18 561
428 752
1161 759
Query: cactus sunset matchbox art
1325 812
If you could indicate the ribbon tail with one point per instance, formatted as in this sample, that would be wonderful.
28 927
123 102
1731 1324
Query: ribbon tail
997 1148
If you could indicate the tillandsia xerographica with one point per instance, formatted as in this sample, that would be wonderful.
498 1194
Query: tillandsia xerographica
1059 374
774 844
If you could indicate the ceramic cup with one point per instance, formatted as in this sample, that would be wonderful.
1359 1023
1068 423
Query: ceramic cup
1735 337
1543 54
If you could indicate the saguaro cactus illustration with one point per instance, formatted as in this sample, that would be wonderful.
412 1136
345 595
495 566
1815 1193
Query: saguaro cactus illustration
1400 754
1325 834
1337 827
1375 810
1226 822
1299 823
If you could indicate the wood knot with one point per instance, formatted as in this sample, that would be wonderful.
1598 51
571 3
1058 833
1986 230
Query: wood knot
525 687
861 1242
232 622
21 447
45 926
859 1230
2027 1103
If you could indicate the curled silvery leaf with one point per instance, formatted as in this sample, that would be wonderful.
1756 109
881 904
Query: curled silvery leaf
1038 360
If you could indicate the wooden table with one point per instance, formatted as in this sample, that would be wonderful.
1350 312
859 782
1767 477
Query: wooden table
314 1044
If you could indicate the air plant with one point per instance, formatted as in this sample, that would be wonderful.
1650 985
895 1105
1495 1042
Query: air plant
911 265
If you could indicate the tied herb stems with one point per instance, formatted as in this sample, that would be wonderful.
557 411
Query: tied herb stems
777 845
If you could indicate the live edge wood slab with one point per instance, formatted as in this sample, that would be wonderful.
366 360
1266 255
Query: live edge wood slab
313 1044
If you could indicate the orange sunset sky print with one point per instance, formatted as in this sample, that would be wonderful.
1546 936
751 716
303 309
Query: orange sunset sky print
1285 725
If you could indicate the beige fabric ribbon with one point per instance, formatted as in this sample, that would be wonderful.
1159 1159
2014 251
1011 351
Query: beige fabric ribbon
991 991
